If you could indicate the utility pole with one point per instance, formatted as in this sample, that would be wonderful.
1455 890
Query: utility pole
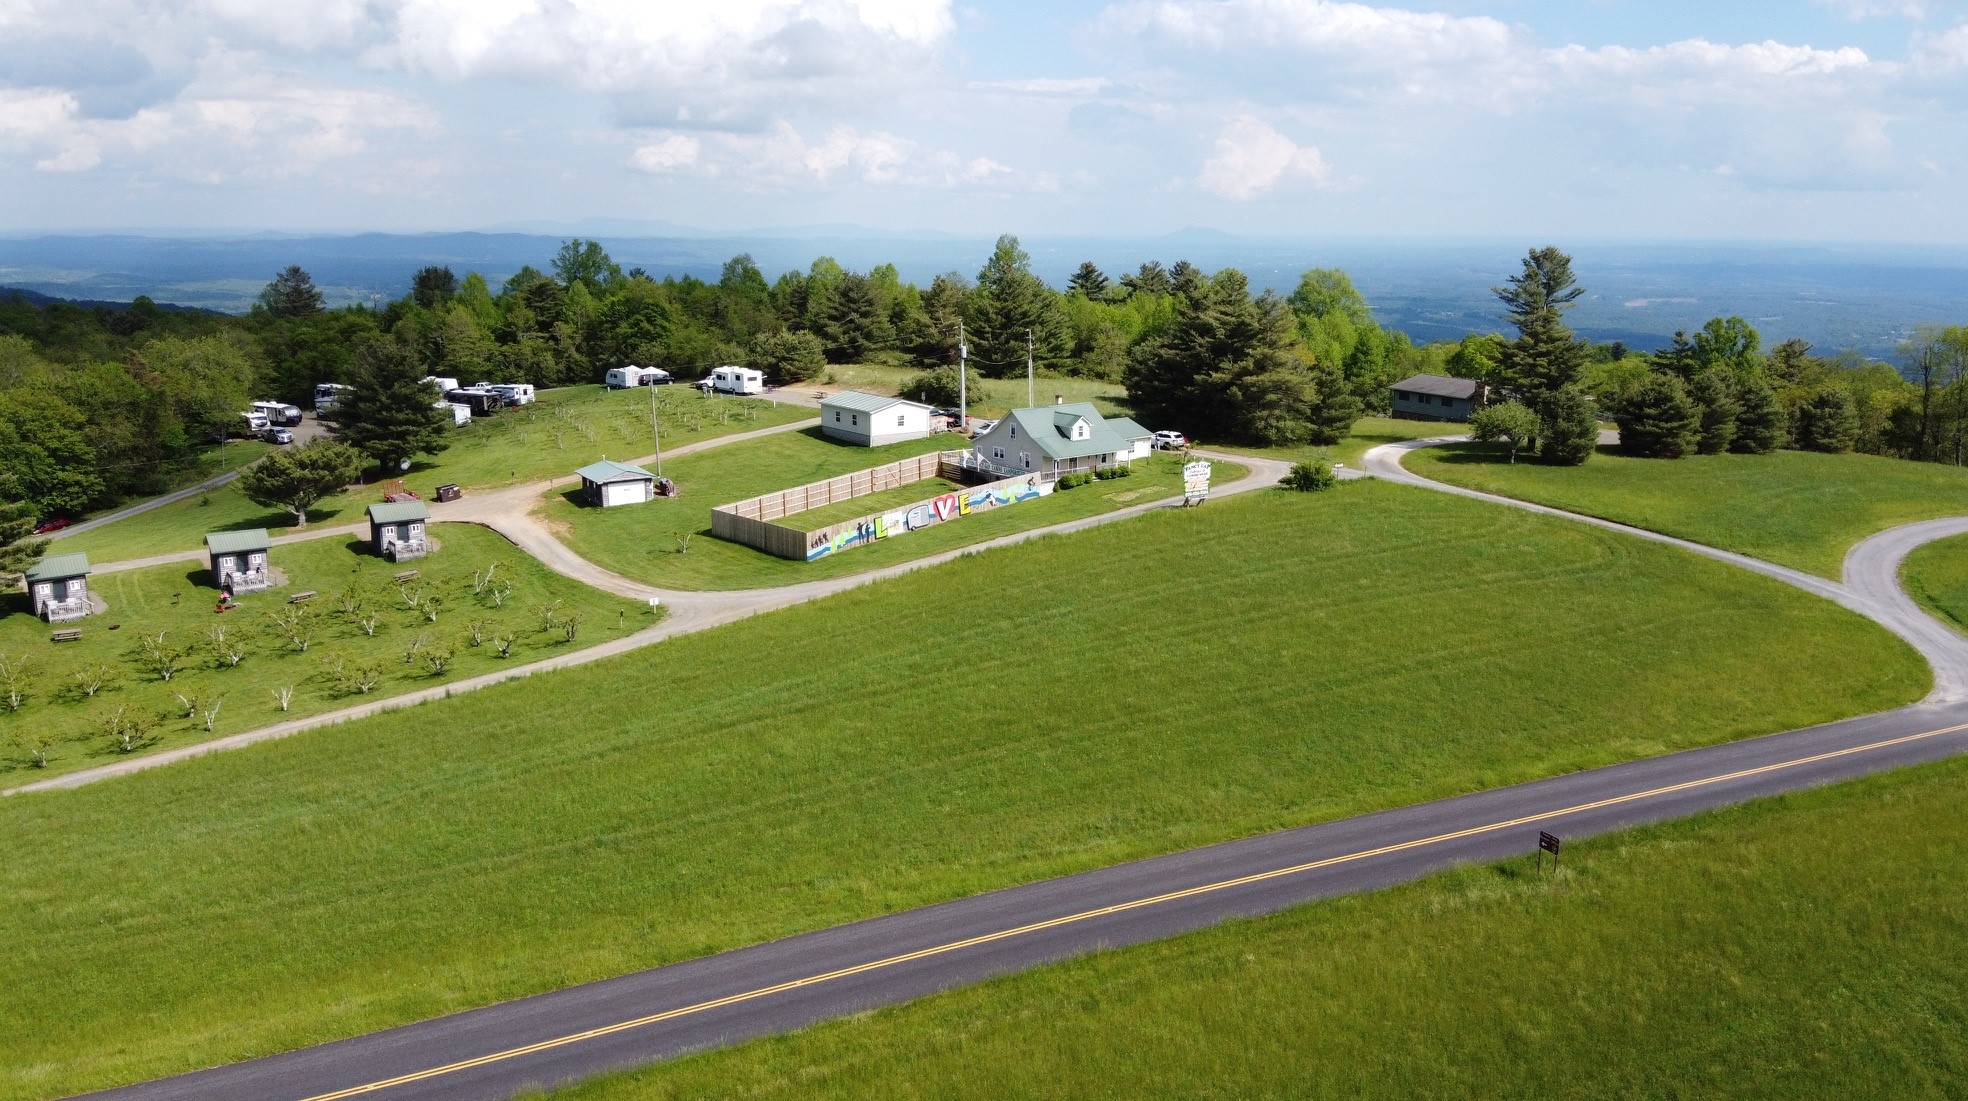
963 380
655 432
1029 399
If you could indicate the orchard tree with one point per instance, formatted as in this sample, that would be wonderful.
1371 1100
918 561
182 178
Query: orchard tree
295 478
1545 355
1510 421
389 412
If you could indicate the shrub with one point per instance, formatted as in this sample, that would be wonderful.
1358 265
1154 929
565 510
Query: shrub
1310 477
1570 427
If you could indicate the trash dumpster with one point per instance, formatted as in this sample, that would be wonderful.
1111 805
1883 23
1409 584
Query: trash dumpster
449 492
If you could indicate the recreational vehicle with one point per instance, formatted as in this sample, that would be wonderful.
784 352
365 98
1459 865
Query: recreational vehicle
326 393
734 380
278 412
481 402
460 414
514 393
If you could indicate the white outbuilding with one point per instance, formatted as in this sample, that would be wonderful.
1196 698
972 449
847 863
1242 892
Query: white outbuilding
872 420
608 484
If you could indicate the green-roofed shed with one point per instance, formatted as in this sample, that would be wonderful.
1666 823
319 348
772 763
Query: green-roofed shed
396 529
239 559
59 587
608 484
872 420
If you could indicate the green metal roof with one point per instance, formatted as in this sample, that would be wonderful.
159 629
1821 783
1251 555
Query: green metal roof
1127 429
57 566
605 471
238 542
395 512
1049 428
859 402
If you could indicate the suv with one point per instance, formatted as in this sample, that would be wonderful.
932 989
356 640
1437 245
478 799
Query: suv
1170 441
280 435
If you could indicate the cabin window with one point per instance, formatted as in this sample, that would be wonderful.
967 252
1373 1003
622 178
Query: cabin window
837 416
998 453
901 420
855 420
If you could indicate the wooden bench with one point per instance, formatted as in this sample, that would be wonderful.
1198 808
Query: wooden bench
71 634
406 576
301 597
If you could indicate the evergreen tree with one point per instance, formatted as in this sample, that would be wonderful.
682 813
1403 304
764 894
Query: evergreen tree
1658 420
1186 278
389 412
1009 303
788 356
1150 279
291 294
295 478
856 324
1761 426
1568 427
19 550
1827 422
1545 355
1714 391
1090 281
930 335
433 286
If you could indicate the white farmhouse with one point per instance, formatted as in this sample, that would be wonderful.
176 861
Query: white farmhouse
1061 439
872 420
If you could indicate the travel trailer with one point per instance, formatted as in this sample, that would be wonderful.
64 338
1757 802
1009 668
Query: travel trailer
734 380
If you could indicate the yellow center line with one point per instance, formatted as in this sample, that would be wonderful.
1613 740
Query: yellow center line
1106 911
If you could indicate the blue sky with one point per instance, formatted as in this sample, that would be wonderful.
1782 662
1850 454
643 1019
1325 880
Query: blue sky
1609 119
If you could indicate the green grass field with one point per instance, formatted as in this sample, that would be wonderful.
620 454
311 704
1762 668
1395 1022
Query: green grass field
1368 432
565 430
1795 508
1936 575
1771 951
640 541
994 396
177 601
1182 678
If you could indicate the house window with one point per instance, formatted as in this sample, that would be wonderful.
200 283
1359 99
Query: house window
856 421
1014 435
901 420
837 416
1025 459
997 453
1427 399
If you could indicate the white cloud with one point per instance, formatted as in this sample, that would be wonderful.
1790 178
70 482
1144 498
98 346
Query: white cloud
1858 10
781 158
1251 158
1046 86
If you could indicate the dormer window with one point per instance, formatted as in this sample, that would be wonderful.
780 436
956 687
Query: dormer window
1080 430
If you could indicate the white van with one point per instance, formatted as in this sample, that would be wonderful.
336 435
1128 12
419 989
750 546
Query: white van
515 393
256 422
735 380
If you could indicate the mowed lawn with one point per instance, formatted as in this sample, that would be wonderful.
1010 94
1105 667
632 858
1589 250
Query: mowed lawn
1796 508
641 541
1936 575
564 430
176 601
1776 950
1368 432
1182 678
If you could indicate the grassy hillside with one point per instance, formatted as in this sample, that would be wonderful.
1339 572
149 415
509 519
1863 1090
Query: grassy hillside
1368 432
1936 575
641 542
177 602
1796 508
1182 678
992 398
565 430
1770 951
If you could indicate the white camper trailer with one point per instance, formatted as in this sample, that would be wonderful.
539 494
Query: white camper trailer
460 413
623 378
514 393
734 380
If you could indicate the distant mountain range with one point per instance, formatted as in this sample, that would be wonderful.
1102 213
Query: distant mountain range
1861 297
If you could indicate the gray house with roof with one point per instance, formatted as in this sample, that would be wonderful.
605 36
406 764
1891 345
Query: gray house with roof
239 559
1437 398
396 529
1052 440
608 484
872 420
59 586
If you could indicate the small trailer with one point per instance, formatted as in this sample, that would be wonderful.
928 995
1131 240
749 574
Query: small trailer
278 412
734 380
480 402
514 393
461 414
625 378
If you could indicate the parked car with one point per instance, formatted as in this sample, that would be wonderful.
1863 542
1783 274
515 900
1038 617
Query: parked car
980 426
52 525
280 435
1170 441
656 376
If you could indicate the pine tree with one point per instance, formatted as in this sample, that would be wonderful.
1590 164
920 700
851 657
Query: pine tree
1658 420
291 294
389 412
1545 355
18 547
1761 425
1827 422
1714 391
294 478
1090 281
1008 304
1568 427
1151 278
856 324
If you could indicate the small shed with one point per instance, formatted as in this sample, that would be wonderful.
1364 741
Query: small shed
872 420
59 586
239 559
608 484
1436 398
396 529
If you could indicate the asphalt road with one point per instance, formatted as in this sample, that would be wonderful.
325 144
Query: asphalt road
582 1031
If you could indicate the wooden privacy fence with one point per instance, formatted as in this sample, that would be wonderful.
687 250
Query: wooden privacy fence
750 521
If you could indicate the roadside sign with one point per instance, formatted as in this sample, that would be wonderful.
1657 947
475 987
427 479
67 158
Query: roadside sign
1195 483
1547 843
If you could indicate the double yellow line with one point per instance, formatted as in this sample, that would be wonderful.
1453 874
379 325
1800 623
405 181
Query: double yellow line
1105 911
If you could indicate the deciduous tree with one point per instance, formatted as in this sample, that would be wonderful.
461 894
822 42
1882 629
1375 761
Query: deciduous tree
295 478
1509 421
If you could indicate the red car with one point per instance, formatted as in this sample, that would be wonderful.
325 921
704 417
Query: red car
52 525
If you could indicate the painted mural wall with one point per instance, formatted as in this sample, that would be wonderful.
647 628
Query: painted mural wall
924 514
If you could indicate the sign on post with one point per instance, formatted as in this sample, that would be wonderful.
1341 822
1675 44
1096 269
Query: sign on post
1547 843
1195 482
